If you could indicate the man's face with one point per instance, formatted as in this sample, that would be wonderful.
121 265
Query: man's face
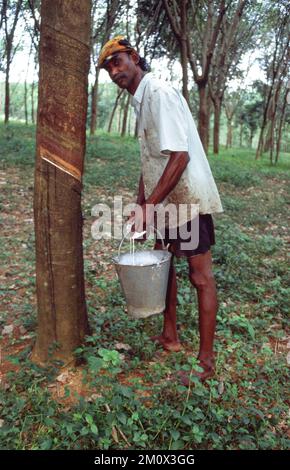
122 69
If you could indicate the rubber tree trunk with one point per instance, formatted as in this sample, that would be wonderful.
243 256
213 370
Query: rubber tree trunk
203 118
32 103
281 122
241 134
129 120
229 134
119 94
120 118
121 113
7 92
183 52
25 102
216 128
125 116
136 129
251 138
61 119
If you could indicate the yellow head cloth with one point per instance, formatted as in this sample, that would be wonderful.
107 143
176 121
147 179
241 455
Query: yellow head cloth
117 44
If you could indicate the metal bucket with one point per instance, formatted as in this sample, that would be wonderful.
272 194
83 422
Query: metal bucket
144 287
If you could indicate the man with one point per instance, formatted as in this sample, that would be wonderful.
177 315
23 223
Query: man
174 170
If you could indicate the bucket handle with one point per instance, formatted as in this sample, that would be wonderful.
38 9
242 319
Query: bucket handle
157 232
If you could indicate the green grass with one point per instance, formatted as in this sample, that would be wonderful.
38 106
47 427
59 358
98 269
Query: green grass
117 162
127 392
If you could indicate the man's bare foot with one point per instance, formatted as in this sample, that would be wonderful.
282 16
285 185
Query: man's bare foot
167 344
208 371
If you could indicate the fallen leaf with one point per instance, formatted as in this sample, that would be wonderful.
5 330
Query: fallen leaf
125 347
62 377
8 330
221 387
115 435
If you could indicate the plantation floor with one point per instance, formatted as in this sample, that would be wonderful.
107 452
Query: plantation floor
124 394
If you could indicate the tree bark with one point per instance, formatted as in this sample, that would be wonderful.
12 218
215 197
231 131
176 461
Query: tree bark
229 143
99 37
230 111
181 35
136 129
209 35
203 118
183 53
32 103
61 120
9 37
25 102
7 92
93 125
114 110
120 118
183 49
125 116
216 129
280 127
241 134
129 119
269 139
272 118
279 66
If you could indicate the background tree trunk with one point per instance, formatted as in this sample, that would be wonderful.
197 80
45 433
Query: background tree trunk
6 8
216 129
183 48
229 143
93 125
7 93
230 105
125 116
129 118
277 70
179 30
25 102
280 126
119 94
32 103
62 109
241 134
120 116
203 117
251 138
136 129
104 21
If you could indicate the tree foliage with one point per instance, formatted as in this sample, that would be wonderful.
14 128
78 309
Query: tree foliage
208 38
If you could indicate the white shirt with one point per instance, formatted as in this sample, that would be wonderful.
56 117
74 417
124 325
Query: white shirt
165 125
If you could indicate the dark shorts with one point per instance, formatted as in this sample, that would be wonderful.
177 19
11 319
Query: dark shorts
194 238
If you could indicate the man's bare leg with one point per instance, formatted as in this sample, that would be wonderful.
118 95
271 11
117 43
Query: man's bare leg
201 277
169 337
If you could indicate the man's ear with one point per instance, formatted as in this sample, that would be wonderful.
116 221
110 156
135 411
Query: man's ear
135 57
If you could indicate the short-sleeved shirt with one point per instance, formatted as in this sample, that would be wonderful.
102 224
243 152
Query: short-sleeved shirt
165 125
